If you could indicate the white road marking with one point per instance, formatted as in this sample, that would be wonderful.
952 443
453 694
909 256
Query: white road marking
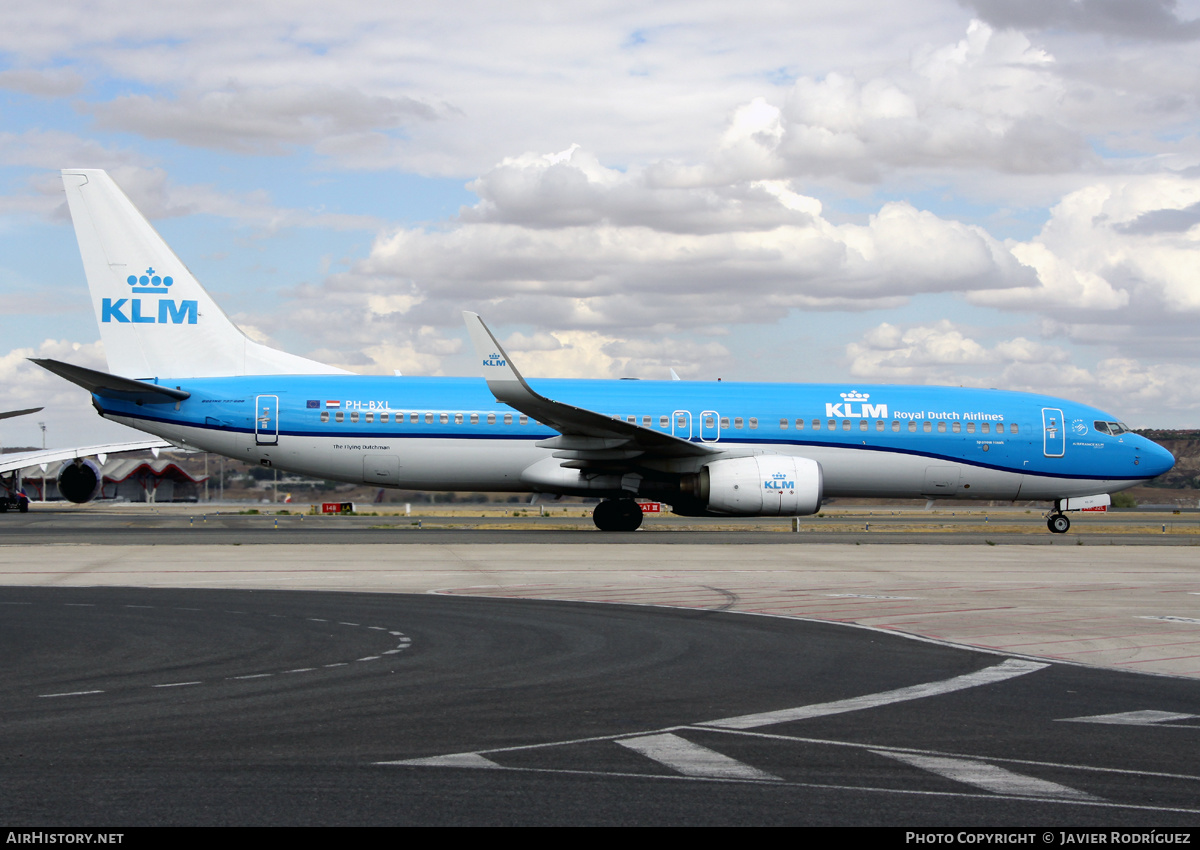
176 684
863 596
368 658
989 777
1009 669
71 694
1149 717
251 676
455 760
691 759
1172 619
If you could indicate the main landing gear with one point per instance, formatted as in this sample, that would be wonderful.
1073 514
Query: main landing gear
1058 523
617 515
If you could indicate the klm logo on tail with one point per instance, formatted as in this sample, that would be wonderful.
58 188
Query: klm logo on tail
168 310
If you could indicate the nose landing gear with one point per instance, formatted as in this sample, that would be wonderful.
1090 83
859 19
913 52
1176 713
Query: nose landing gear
617 515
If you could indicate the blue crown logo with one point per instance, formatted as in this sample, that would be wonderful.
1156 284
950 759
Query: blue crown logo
493 356
779 476
149 282
855 395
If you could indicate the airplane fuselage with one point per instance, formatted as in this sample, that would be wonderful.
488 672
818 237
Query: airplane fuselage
452 434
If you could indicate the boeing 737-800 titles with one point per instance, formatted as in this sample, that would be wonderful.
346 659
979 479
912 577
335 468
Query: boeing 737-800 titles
181 370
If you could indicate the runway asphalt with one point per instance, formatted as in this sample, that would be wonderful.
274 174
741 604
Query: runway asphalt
158 671
128 707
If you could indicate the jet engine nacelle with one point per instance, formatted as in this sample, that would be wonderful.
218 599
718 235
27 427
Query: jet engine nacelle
79 481
762 485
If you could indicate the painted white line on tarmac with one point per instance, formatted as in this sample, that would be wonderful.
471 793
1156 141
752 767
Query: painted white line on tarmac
1148 717
71 694
454 760
1009 669
989 777
683 756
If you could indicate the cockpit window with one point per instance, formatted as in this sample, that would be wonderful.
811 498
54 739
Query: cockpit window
1101 427
1114 428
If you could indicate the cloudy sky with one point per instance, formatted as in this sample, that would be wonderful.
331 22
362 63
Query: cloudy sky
996 193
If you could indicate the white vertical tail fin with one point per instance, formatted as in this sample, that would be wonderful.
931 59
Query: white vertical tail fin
155 318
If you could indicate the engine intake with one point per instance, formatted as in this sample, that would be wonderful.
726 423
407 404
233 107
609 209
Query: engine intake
79 481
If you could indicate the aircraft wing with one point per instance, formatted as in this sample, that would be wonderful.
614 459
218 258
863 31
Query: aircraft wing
23 460
587 438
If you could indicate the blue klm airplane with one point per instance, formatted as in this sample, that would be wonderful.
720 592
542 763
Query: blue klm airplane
181 370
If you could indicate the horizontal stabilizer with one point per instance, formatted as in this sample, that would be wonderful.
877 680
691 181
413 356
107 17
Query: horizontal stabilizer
113 386
9 414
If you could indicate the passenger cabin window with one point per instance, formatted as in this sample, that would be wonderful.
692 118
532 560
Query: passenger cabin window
491 419
725 422
753 422
985 428
845 424
664 422
878 424
428 418
864 425
999 427
444 418
832 423
895 426
645 421
354 416
956 427
370 417
524 419
474 418
912 427
970 427
737 422
1012 429
783 424
816 423
458 419
324 415
383 417
941 427
710 421
681 421
799 424
927 427
339 416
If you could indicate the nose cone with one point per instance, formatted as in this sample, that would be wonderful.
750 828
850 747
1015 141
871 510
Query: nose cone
1155 460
